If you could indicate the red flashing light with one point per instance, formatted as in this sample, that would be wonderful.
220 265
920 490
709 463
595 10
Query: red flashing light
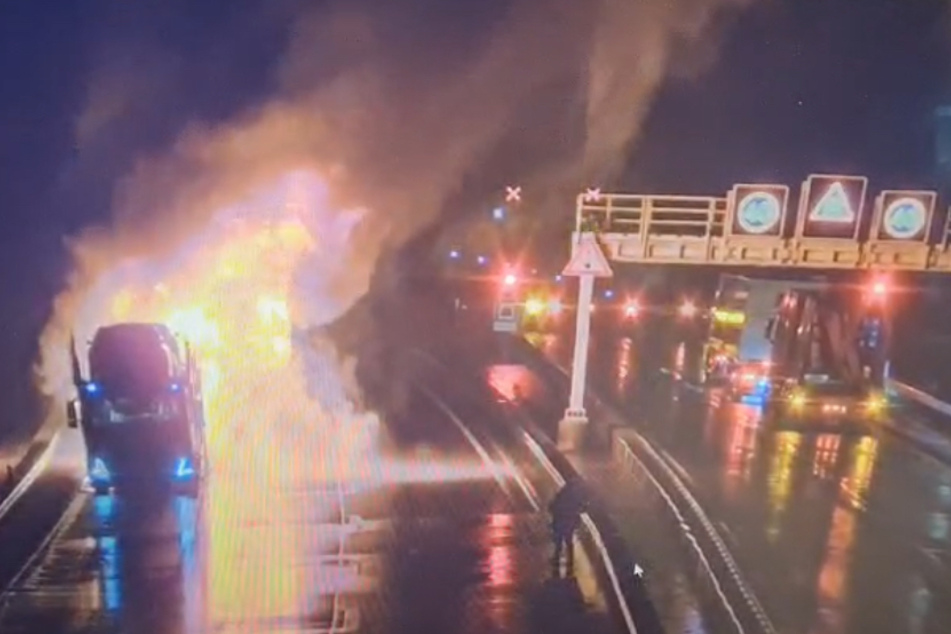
879 289
510 279
631 310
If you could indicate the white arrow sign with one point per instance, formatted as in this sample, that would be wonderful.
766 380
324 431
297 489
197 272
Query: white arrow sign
638 571
513 194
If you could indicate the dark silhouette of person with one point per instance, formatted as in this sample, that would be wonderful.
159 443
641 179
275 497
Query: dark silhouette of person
566 509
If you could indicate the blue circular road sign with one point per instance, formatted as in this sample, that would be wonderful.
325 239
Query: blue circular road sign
904 218
758 212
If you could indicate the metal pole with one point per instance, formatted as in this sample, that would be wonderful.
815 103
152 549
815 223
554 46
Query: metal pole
582 335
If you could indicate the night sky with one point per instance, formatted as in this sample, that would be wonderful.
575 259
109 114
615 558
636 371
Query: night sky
773 90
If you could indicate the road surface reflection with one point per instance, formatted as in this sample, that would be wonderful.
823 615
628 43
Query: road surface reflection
426 535
839 532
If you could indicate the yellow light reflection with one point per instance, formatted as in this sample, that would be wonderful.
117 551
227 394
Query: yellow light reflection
679 357
855 484
254 552
496 538
623 365
833 575
740 449
826 455
780 479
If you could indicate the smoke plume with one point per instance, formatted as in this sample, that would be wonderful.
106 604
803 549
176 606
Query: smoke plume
386 108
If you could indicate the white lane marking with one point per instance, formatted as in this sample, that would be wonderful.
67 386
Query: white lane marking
521 481
677 466
35 471
472 440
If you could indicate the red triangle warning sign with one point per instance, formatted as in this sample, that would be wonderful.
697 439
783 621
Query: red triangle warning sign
588 259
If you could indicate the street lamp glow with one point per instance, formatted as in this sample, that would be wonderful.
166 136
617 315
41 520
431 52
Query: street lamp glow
688 309
534 306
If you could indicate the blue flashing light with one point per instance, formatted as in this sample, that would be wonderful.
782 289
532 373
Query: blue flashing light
498 213
175 387
92 388
752 399
558 278
454 254
184 469
608 294
99 471
481 260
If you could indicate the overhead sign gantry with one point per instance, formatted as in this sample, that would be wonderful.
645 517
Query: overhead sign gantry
754 225
750 226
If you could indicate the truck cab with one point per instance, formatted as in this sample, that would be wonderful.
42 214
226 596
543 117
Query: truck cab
140 410
795 344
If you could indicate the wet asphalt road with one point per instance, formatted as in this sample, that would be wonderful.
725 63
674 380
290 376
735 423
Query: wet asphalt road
421 537
839 532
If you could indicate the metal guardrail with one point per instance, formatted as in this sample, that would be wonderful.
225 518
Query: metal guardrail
919 396
627 456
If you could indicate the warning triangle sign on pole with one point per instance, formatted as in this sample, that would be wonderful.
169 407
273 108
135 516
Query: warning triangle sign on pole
588 259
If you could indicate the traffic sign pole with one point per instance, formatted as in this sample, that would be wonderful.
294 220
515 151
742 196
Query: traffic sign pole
587 262
579 365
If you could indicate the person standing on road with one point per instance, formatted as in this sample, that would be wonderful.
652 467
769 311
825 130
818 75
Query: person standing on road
566 509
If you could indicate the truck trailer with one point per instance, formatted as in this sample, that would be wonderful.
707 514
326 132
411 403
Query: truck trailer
800 347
